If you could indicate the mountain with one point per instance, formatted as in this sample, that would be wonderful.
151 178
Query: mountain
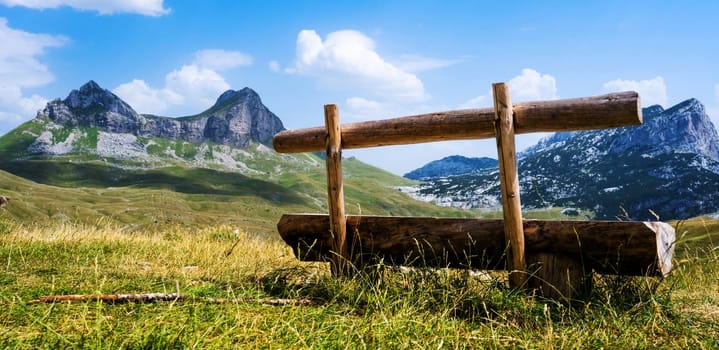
92 157
667 167
451 166
96 124
238 118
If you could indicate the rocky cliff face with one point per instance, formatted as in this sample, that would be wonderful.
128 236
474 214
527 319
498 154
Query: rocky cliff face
93 106
684 128
451 166
237 119
668 167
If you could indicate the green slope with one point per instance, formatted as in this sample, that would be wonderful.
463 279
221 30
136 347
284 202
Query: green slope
178 182
90 192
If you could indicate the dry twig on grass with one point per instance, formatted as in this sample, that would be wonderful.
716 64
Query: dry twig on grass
152 297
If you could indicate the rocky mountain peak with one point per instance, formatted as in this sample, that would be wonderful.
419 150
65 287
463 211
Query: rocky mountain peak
237 119
229 96
653 110
684 128
691 105
91 86
226 96
90 97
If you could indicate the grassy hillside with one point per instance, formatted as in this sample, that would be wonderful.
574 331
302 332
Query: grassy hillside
61 190
441 309
139 181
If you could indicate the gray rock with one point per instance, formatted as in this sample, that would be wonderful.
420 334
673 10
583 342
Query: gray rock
237 119
451 166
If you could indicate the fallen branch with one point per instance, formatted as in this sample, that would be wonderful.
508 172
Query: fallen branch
153 297
296 302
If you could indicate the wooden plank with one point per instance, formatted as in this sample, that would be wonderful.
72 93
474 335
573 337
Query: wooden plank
606 111
335 192
609 247
509 185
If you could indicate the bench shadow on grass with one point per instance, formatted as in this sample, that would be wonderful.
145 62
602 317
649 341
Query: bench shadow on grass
455 294
475 297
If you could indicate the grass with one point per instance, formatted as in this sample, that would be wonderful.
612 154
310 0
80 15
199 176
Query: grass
90 228
14 144
87 191
146 203
432 309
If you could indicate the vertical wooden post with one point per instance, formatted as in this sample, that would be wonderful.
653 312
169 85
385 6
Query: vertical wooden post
558 276
340 264
509 184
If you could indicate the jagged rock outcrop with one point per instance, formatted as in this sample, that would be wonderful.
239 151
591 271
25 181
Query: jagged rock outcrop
237 119
93 106
668 167
451 166
684 128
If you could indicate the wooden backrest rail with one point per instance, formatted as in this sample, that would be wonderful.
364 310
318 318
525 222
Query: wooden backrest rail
599 112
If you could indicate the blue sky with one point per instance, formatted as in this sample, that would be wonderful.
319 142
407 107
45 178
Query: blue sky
376 59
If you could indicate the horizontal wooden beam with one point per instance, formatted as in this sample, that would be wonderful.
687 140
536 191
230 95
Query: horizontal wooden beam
606 111
623 247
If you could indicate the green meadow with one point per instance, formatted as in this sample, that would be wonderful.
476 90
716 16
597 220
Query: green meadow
210 235
394 309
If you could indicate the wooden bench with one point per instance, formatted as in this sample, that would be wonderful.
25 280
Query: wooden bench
555 258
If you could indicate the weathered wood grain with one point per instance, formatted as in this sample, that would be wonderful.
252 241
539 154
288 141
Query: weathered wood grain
509 185
606 111
621 247
335 192
558 276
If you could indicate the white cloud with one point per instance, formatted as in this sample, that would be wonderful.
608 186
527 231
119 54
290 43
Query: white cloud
12 99
30 105
199 86
19 65
274 66
104 7
187 90
532 86
652 91
477 102
360 109
349 57
147 100
416 63
20 68
363 104
364 109
220 60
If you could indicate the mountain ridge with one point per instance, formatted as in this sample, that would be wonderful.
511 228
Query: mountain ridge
237 118
666 167
450 166
698 134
